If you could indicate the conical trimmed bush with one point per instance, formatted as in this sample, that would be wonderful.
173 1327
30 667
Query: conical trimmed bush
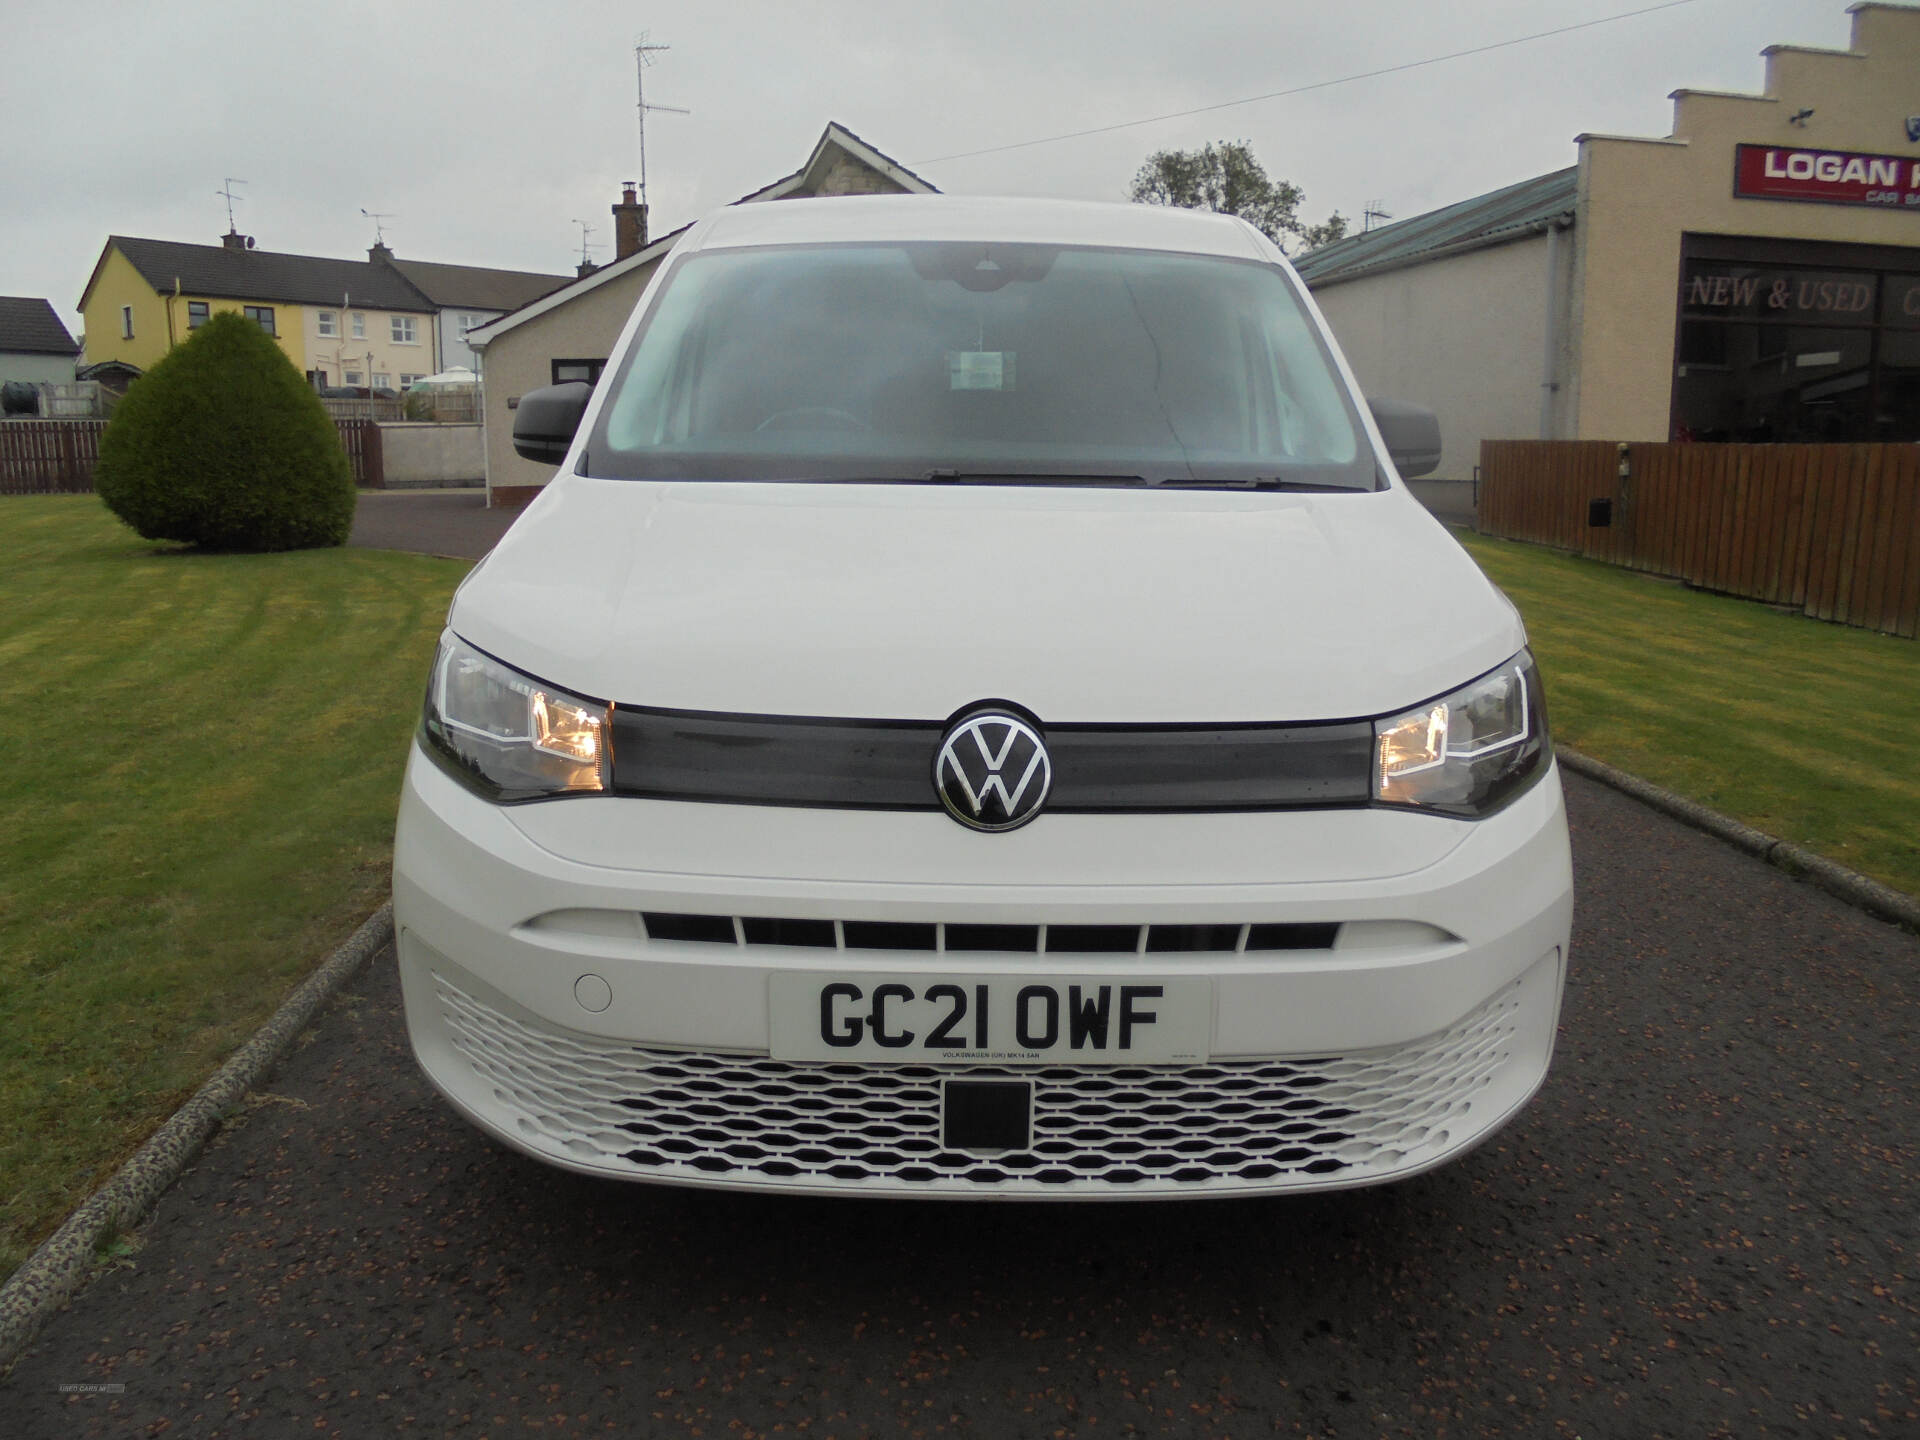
222 444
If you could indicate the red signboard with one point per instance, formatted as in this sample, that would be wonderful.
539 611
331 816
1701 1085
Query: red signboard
1836 177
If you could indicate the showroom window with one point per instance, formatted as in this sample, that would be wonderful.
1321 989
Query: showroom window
1797 342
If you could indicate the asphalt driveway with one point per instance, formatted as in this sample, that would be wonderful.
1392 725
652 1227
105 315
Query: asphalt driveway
431 522
1704 1226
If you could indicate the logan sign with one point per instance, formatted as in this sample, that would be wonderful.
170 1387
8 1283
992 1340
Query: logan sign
1833 177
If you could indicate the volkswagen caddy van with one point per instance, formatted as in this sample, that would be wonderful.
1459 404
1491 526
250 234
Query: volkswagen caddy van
977 713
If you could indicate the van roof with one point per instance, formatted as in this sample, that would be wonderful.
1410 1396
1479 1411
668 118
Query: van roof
895 218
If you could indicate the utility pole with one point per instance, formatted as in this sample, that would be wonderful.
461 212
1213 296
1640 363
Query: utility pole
643 54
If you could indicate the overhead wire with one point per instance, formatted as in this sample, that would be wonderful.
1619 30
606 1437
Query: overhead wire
1316 85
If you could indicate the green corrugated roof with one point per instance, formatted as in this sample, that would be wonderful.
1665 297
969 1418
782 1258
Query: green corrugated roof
1490 219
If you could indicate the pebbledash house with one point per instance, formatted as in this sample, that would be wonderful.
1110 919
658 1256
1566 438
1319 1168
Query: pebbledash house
1753 276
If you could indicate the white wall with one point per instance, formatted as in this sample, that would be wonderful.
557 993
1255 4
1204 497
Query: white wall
41 369
424 455
1464 336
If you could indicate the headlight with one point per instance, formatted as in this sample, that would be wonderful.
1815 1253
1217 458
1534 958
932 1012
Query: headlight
507 735
1468 753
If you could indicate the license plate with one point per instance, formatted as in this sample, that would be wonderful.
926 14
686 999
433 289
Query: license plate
1018 1019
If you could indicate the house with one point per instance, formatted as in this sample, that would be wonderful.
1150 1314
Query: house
341 322
1753 275
468 296
380 322
34 344
568 334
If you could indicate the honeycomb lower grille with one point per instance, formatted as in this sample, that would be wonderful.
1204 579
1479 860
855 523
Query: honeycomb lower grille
1182 1129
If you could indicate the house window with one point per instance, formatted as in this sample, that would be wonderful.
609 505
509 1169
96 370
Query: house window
196 314
471 322
328 325
382 380
352 377
261 315
126 322
359 325
406 379
403 333
587 370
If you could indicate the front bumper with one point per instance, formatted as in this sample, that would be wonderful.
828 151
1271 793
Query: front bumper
1424 1026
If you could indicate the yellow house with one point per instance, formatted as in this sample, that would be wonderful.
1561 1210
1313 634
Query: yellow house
341 322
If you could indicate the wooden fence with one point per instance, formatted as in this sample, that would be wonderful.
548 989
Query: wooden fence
346 407
48 457
361 440
1833 530
56 457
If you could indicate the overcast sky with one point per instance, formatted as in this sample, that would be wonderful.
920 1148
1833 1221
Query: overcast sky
487 127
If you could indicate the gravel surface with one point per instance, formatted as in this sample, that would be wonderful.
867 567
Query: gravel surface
1704 1226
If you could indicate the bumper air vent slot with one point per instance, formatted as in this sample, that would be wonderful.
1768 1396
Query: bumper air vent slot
1291 937
890 935
761 931
1012 939
665 925
1163 938
1094 939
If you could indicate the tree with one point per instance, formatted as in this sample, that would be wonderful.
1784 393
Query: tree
222 444
1228 179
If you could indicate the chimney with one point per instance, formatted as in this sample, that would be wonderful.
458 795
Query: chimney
378 251
234 240
585 268
629 223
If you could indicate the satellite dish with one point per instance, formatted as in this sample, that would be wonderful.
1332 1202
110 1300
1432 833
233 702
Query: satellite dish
249 242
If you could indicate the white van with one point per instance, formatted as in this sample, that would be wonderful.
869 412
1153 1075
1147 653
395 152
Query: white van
978 713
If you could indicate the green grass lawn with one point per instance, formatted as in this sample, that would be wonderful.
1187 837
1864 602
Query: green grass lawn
199 761
1806 730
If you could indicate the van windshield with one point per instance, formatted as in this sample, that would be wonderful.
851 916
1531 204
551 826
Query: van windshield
996 363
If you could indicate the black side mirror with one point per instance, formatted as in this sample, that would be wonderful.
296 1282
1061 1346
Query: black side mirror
1412 435
545 420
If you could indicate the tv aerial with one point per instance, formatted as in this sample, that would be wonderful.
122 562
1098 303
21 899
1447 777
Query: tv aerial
643 54
227 191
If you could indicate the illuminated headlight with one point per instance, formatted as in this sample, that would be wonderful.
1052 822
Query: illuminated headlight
1468 753
507 735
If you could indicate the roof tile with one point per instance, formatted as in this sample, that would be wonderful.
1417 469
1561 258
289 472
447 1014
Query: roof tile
30 326
216 271
475 287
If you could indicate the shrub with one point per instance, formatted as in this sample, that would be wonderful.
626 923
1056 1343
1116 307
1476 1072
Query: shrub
223 445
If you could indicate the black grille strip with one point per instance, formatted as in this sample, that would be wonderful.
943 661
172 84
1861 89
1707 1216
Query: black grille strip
888 764
1004 939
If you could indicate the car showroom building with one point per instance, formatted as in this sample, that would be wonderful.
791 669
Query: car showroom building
1753 276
